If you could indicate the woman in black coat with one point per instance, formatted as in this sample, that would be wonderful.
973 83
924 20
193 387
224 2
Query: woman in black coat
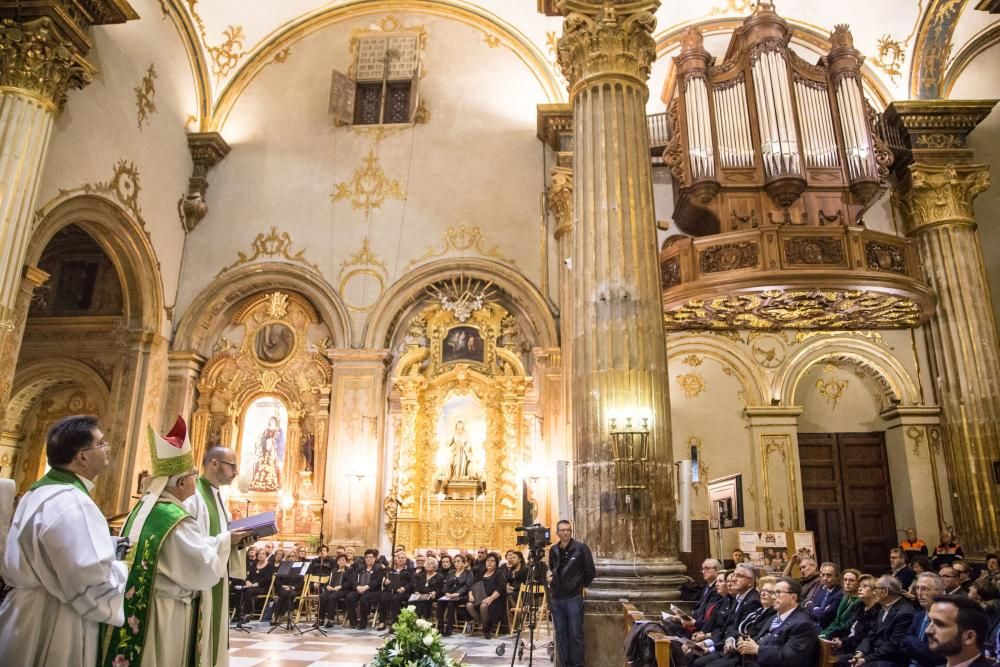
491 607
456 589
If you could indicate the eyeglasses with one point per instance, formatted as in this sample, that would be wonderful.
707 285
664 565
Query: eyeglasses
103 444
226 463
777 592
767 591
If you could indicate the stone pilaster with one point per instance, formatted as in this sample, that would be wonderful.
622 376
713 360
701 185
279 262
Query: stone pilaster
775 441
617 339
353 467
937 185
42 51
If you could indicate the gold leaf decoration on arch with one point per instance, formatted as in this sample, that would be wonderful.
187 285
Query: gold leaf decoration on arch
271 244
832 391
369 187
124 186
461 239
363 262
692 384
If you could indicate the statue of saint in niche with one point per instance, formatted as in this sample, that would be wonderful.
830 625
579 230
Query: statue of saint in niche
274 342
461 453
269 452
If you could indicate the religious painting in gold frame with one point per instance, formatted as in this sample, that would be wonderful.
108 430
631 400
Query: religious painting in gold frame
263 440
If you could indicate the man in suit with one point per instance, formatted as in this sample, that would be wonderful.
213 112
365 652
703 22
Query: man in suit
707 598
883 647
793 638
746 600
900 569
957 631
929 586
828 596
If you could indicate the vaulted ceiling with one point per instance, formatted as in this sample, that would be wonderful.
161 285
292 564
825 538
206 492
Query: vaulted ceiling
914 48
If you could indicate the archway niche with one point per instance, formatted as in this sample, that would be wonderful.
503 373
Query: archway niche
265 392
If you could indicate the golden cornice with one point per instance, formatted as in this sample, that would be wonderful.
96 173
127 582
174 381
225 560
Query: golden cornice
608 39
458 10
932 130
553 120
941 195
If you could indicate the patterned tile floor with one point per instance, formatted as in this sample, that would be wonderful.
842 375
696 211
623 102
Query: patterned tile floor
353 648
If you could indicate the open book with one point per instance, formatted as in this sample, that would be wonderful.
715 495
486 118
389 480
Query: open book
262 525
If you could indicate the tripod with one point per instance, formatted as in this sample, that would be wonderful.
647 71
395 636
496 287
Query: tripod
240 625
534 586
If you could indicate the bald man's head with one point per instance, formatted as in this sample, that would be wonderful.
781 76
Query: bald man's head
219 465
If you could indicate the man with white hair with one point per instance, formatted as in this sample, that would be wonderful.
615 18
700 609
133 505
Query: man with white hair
884 644
171 561
929 586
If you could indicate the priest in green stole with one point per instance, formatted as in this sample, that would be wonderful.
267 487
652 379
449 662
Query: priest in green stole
219 468
171 563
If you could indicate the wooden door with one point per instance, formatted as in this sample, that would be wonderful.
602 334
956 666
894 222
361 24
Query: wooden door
847 497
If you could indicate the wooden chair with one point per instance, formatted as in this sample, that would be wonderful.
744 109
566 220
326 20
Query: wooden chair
520 608
311 588
267 598
661 645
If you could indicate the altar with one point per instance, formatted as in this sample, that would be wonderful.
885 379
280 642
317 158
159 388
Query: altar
459 437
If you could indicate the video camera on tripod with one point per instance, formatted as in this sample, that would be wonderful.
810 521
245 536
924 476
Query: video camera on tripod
536 537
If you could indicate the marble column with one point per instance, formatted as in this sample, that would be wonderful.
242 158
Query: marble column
42 50
617 339
938 181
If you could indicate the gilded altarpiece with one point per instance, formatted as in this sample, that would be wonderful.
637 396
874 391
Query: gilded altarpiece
460 434
268 397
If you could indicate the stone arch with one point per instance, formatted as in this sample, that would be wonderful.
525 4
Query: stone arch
753 383
457 10
398 302
207 315
125 242
885 370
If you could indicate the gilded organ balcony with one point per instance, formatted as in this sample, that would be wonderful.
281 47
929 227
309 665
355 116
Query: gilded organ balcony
779 276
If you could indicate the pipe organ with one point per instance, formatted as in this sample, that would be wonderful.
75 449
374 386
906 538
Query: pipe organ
774 160
765 120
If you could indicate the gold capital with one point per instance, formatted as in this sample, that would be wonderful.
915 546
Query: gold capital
34 58
942 194
561 199
607 39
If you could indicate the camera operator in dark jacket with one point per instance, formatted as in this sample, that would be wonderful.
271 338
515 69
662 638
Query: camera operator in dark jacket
571 569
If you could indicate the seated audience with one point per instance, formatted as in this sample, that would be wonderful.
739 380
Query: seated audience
396 590
456 590
340 585
429 586
516 574
445 565
988 588
899 568
287 588
963 571
864 622
929 586
884 644
488 609
827 598
708 597
744 609
809 572
952 586
957 632
992 563
947 551
257 582
848 609
367 590
322 565
251 556
791 639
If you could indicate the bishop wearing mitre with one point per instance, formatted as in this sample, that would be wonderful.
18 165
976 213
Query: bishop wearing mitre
171 562
59 557
218 468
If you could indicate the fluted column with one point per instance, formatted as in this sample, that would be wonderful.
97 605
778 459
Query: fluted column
935 198
42 49
618 344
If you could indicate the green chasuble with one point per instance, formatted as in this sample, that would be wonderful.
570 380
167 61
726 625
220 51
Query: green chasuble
123 646
214 528
57 476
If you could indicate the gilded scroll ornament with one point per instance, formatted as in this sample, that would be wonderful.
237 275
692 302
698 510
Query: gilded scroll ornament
369 187
692 360
461 239
916 436
34 58
271 244
356 267
831 390
124 186
890 55
603 39
797 309
560 199
692 384
145 94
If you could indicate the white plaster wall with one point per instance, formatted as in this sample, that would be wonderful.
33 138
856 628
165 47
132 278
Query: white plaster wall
98 127
477 162
980 81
